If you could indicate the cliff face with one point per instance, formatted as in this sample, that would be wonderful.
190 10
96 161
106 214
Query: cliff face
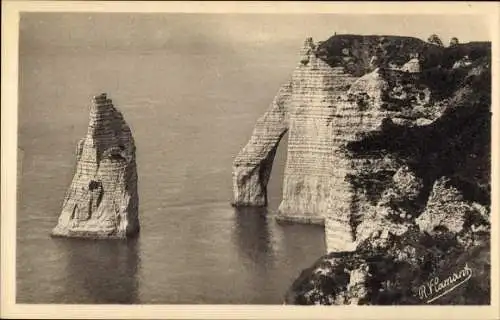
309 180
102 200
411 175
305 108
353 110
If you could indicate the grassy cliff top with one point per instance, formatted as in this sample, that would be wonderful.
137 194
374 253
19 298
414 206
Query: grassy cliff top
360 54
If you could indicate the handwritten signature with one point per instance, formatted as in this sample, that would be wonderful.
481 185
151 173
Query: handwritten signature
436 288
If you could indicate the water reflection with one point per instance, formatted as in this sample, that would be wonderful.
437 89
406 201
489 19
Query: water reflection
100 271
302 244
251 234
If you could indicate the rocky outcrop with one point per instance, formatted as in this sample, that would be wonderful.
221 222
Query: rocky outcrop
464 62
447 210
411 66
411 176
414 269
346 96
102 200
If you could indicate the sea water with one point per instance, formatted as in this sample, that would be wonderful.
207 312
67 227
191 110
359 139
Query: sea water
190 115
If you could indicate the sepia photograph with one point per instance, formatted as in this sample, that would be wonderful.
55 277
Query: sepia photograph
227 158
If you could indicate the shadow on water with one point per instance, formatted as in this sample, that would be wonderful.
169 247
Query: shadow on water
273 255
302 240
101 271
252 235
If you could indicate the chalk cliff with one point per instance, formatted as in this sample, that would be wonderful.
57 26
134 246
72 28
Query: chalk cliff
309 181
410 173
344 90
102 200
305 107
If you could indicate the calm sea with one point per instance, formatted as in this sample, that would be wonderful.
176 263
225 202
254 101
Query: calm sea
190 115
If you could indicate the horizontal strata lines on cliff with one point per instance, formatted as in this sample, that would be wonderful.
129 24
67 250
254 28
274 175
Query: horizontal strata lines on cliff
305 94
300 142
306 173
103 111
315 88
103 134
106 124
321 107
102 200
322 162
321 84
317 77
309 152
303 89
88 165
306 120
102 114
318 158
